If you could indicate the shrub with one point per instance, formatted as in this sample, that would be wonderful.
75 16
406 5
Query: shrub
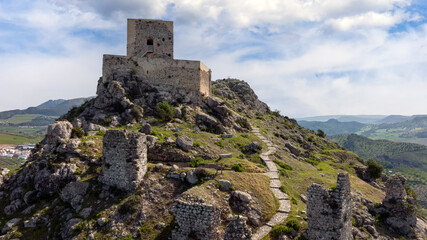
279 230
77 132
237 167
293 223
220 143
165 111
294 201
276 113
195 162
184 112
196 144
374 169
321 133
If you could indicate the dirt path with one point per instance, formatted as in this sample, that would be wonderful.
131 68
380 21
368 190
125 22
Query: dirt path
285 205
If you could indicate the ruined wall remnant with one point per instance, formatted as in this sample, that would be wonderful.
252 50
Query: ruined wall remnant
150 59
399 208
125 159
329 211
237 229
195 217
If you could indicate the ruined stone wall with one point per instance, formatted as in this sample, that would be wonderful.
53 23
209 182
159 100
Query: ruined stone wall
329 211
192 76
125 159
195 217
140 30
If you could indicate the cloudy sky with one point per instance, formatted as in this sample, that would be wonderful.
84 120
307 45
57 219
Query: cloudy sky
302 57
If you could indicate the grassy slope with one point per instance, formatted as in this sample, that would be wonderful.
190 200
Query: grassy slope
22 118
409 159
9 138
10 163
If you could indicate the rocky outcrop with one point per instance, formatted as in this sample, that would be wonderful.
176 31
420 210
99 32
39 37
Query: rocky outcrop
184 142
73 194
398 208
57 135
329 212
125 159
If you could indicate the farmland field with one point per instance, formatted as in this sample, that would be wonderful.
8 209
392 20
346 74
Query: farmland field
10 163
10 138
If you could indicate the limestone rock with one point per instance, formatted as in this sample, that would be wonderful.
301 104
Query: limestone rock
146 129
10 224
58 133
253 147
224 185
293 149
73 193
192 177
243 196
184 142
209 123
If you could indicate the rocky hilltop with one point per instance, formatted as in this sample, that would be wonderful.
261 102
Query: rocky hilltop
136 163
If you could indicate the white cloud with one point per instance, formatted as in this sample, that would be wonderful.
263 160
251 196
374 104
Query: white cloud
302 57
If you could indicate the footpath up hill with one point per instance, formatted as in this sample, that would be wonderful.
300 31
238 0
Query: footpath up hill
139 163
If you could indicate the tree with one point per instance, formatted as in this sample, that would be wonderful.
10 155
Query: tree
375 169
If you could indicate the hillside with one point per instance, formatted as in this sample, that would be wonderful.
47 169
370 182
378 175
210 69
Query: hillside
49 108
407 158
64 180
29 125
333 126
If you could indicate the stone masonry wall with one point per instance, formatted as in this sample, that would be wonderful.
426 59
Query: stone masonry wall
192 76
195 217
125 159
329 211
140 30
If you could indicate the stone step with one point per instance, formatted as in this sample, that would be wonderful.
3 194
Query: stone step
275 183
285 206
271 166
262 232
279 194
277 218
272 175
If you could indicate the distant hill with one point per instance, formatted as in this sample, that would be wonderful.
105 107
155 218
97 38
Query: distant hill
49 108
408 158
333 126
367 119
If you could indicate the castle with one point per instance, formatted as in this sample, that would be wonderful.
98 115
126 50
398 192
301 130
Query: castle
150 59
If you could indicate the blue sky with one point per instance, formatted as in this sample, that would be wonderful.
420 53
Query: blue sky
302 57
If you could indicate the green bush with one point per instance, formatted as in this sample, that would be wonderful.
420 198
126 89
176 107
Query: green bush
220 143
77 132
293 223
237 167
195 162
321 133
375 169
165 111
279 230
196 144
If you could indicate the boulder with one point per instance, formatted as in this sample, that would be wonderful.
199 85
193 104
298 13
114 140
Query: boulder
146 128
224 185
209 123
225 155
184 142
58 133
253 147
243 196
10 224
17 193
293 149
73 193
192 177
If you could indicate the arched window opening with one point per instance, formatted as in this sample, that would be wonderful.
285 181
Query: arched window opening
150 42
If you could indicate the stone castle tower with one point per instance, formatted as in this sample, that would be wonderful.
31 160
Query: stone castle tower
150 59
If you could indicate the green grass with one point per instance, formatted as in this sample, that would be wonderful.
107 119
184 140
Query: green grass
10 138
22 118
10 163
